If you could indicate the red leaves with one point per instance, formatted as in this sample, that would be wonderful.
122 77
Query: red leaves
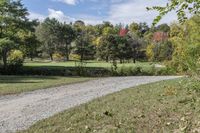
123 32
160 36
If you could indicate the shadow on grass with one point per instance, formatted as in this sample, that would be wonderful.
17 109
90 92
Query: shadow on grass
19 82
23 79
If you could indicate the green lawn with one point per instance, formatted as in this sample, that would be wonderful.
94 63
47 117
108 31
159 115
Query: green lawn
87 64
167 106
90 69
18 84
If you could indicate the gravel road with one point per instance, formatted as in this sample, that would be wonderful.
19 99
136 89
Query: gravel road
18 112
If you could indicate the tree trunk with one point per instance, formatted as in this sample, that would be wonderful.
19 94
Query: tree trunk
67 55
51 56
31 55
121 61
82 57
107 59
4 56
134 55
134 60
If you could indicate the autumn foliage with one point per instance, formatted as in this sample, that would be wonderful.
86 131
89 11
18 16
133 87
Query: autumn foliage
160 36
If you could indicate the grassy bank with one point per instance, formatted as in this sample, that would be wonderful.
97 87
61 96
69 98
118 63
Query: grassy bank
18 84
167 106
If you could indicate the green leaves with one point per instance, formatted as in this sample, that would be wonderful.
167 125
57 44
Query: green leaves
6 43
182 8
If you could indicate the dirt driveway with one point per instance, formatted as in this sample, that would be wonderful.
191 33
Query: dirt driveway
19 112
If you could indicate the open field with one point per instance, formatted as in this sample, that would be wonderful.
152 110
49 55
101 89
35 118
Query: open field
91 69
19 84
167 106
95 64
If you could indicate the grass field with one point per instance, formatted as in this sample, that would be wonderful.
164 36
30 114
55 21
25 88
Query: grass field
18 84
167 106
86 64
91 69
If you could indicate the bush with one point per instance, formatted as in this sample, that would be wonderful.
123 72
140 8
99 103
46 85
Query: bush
136 71
15 58
165 71
74 57
58 57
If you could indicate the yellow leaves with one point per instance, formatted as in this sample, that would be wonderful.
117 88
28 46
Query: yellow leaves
57 56
169 91
97 41
74 57
108 31
149 52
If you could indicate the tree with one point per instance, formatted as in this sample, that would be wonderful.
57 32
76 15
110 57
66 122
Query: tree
180 6
134 29
30 45
5 46
149 52
66 35
143 28
163 51
29 42
108 31
83 45
79 23
47 34
12 20
185 39
102 48
138 29
135 46
124 48
163 28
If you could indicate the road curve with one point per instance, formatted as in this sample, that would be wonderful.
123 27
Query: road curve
18 112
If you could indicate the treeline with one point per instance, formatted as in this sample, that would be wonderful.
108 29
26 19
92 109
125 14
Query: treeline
178 44
77 41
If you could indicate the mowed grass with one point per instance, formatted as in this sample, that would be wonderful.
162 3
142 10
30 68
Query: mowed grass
167 106
19 84
99 64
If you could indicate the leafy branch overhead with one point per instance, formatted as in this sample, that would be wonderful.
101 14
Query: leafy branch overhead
182 8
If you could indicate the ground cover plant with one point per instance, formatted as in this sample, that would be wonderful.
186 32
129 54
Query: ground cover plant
19 84
167 106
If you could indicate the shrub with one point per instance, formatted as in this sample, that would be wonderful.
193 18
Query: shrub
150 71
15 58
58 57
165 71
74 57
136 70
125 71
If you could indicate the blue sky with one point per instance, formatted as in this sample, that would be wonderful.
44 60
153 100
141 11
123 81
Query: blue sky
96 11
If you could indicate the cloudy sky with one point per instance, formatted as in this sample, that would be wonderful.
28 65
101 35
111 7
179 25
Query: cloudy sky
96 11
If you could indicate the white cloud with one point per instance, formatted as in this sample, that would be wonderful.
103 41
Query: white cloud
52 13
69 2
59 15
119 11
33 15
89 19
133 10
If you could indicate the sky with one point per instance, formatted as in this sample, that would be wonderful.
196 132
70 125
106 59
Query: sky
97 11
